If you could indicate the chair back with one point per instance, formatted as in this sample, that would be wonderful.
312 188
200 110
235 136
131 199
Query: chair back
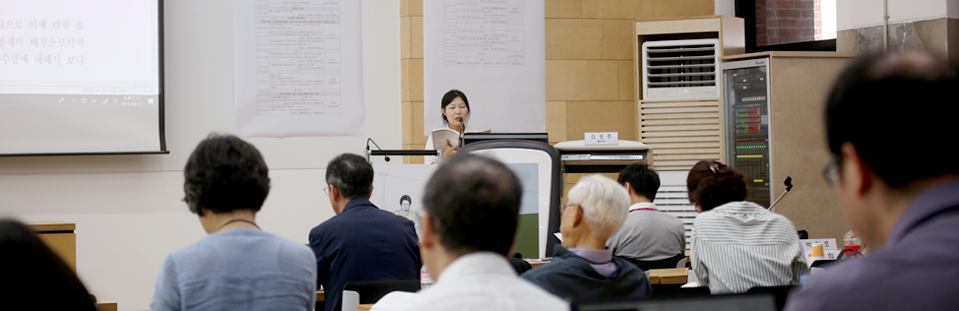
780 292
371 292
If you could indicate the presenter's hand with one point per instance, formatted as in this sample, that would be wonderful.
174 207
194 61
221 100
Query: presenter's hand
450 150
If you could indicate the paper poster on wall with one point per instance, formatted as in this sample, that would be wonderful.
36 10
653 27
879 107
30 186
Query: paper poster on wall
494 52
399 188
297 68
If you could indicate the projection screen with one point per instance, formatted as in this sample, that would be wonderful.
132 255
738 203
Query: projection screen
81 77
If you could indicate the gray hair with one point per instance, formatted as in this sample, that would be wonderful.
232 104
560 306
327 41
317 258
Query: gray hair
605 203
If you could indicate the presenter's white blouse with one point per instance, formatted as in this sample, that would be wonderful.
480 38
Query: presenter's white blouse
482 281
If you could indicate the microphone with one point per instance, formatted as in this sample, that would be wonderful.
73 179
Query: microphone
462 132
368 141
789 186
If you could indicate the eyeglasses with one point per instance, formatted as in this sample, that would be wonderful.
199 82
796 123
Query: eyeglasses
831 172
562 208
326 190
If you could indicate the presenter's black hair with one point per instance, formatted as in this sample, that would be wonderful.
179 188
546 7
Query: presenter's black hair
449 97
711 184
882 100
351 174
33 274
643 180
406 198
224 174
474 204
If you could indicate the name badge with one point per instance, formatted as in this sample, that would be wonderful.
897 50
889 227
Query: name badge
602 138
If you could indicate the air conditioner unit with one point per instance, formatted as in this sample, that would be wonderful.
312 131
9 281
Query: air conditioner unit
678 69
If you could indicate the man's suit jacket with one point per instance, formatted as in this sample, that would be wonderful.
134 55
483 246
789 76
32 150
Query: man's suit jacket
363 243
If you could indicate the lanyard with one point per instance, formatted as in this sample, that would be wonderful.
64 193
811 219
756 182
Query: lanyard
643 209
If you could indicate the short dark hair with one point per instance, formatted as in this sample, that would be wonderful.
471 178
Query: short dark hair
474 202
711 184
33 273
351 174
868 107
641 178
223 174
406 198
449 97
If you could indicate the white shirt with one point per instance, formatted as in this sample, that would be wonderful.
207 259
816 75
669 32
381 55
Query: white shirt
429 143
481 281
740 245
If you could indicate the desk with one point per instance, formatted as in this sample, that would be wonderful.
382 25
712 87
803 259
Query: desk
668 276
106 305
60 237
365 307
320 295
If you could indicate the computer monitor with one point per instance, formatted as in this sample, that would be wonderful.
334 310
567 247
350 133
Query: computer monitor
469 138
733 302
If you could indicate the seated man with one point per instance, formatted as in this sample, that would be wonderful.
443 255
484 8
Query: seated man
907 214
361 243
587 271
470 216
650 239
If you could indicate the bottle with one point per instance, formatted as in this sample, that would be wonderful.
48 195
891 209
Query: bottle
852 241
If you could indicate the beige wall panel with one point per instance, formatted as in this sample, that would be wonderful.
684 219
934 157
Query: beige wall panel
617 39
581 80
416 79
601 116
64 244
406 160
556 121
416 26
627 84
574 39
416 7
418 137
404 8
405 78
619 9
683 8
416 159
405 37
407 122
564 8
798 148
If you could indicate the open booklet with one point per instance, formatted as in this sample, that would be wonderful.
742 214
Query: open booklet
441 136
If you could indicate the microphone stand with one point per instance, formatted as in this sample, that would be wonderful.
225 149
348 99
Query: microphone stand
789 186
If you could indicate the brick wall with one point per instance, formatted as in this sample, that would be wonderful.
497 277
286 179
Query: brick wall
785 21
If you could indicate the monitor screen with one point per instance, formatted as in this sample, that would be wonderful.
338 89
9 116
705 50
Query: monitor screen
738 302
81 77
469 138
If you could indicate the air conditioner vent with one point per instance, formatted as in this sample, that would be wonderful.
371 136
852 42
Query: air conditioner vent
678 69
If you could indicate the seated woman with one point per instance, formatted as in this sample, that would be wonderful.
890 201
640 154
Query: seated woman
737 244
33 275
456 113
237 266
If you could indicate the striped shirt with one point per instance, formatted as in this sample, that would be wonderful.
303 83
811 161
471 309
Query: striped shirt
740 245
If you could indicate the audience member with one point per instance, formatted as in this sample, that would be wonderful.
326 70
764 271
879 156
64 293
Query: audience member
907 212
361 243
650 239
587 270
737 244
237 266
34 275
470 217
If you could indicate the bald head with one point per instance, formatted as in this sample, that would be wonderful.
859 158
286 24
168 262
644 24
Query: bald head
887 102
474 204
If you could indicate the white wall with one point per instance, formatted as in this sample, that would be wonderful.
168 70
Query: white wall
724 7
854 14
128 209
